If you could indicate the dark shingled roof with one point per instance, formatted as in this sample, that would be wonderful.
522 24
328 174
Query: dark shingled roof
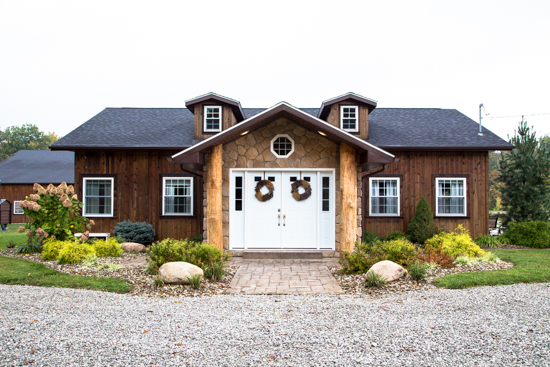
38 166
389 128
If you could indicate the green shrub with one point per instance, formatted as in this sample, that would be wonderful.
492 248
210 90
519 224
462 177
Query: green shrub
214 271
488 241
529 234
418 270
422 226
370 238
139 232
197 253
400 251
91 261
29 247
107 248
374 279
463 260
195 280
362 258
455 243
51 248
74 253
395 235
489 257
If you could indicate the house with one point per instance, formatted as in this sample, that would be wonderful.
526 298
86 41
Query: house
281 178
21 171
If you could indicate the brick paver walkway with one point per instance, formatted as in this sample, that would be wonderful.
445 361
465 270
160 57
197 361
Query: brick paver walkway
284 277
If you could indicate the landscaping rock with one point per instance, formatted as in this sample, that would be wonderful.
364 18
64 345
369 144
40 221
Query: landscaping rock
389 270
178 271
132 246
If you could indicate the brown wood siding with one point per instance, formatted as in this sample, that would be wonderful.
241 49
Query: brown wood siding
138 186
228 118
418 171
16 193
333 117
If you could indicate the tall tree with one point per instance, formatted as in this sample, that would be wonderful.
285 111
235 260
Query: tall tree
27 136
524 173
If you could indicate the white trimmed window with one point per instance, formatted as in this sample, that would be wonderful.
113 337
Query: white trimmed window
98 196
282 146
450 196
212 118
17 209
177 198
384 196
349 119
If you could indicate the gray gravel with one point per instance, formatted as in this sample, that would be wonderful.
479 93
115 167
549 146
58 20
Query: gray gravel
498 326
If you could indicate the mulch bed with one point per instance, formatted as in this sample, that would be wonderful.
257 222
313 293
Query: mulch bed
355 283
134 272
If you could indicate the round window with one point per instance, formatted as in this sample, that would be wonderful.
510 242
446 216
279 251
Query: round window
282 146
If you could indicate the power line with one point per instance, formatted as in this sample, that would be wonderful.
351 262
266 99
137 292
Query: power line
533 114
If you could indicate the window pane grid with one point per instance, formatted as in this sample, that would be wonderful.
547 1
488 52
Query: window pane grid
349 118
326 194
238 194
451 196
384 196
178 198
98 197
17 208
282 146
212 118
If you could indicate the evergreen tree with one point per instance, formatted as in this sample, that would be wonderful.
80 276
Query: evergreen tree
524 173
422 227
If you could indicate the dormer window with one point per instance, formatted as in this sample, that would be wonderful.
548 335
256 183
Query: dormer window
348 118
212 118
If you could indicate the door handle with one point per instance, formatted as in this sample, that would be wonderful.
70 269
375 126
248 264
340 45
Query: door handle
279 220
284 220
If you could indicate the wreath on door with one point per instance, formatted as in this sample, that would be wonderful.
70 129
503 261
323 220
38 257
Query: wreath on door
258 189
296 195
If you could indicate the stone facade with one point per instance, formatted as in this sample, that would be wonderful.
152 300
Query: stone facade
253 150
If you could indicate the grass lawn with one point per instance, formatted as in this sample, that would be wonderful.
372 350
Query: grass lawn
532 266
12 235
17 271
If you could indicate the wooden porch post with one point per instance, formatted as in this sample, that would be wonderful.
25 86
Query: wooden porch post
214 218
348 206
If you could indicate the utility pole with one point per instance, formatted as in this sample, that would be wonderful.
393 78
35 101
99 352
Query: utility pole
480 107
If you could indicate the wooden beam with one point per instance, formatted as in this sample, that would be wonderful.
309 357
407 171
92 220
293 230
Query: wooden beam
214 222
348 206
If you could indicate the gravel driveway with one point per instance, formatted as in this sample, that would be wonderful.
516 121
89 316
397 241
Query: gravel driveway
498 326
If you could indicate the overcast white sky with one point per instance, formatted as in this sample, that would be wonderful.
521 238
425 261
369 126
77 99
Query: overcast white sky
62 62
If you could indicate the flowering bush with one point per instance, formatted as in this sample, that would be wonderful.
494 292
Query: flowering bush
54 212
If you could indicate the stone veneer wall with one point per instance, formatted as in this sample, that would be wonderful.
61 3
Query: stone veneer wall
253 150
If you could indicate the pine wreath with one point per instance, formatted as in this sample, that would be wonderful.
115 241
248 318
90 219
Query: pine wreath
296 195
270 187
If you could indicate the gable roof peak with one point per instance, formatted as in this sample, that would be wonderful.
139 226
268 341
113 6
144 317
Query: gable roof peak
325 106
235 105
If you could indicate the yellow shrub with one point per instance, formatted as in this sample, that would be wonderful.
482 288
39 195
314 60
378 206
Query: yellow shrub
74 253
400 251
51 248
455 243
107 248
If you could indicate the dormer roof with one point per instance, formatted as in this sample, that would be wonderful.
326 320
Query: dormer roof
325 106
235 105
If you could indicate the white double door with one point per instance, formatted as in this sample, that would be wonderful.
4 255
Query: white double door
282 222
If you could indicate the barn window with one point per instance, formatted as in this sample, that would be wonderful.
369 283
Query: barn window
348 118
177 198
384 196
17 208
282 146
98 197
212 118
450 196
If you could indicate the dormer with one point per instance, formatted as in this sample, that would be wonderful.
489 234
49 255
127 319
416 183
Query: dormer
214 113
349 112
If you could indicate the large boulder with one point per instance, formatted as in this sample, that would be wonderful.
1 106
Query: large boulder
132 246
178 271
389 270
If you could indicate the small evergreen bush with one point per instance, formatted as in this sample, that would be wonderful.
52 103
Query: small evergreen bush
455 243
395 235
139 232
418 270
51 248
196 253
422 226
529 234
400 251
370 238
107 248
488 241
74 253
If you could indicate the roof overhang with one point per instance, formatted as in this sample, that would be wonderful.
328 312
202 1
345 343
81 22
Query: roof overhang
235 105
370 156
447 148
325 106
